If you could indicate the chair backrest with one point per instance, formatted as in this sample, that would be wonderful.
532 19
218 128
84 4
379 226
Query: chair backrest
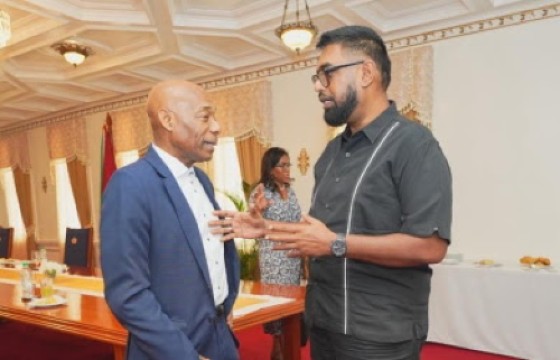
6 238
78 250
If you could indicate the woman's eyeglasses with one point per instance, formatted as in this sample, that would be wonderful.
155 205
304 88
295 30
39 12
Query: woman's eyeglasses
284 166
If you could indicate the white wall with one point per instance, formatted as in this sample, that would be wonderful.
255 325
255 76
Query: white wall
298 117
45 200
496 116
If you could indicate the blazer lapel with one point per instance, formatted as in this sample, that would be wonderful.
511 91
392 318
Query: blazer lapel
184 213
207 187
230 251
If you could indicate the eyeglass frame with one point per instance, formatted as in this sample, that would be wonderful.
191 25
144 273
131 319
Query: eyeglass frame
283 166
328 70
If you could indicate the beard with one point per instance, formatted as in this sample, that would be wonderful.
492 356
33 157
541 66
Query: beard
339 114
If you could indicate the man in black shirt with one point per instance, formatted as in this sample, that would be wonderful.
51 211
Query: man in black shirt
380 212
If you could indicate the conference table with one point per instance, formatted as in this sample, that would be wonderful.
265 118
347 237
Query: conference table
86 313
504 309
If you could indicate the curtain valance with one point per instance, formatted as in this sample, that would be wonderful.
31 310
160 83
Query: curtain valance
244 111
14 152
67 139
411 85
131 129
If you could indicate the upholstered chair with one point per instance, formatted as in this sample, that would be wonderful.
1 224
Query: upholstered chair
6 238
78 251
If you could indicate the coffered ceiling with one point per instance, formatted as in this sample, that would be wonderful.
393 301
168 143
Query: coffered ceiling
140 42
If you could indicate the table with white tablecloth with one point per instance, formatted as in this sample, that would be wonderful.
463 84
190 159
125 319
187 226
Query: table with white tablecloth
501 309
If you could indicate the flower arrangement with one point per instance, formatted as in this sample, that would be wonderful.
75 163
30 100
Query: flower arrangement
51 268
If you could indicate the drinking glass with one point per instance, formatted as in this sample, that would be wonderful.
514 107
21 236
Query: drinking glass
43 255
36 260
47 289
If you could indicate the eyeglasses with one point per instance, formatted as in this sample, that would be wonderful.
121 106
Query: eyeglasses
284 166
324 74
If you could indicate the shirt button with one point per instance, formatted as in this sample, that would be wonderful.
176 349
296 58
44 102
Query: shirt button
327 206
337 180
347 154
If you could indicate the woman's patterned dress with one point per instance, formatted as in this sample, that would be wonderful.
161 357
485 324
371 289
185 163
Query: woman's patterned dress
275 266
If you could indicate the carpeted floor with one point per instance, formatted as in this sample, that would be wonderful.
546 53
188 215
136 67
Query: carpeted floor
25 342
255 345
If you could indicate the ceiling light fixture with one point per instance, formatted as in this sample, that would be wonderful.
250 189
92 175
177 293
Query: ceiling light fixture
73 52
299 34
5 30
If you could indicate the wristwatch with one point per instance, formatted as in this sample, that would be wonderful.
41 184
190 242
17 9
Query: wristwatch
338 246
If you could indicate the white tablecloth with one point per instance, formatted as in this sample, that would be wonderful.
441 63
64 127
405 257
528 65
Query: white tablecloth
504 310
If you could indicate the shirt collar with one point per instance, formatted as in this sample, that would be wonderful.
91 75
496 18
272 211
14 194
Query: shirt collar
177 168
374 128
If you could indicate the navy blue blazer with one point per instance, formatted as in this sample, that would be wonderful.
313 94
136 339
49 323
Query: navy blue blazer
156 276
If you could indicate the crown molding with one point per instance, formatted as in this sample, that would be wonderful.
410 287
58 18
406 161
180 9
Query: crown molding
121 103
517 18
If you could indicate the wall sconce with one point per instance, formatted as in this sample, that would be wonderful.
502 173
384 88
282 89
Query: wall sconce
44 184
303 161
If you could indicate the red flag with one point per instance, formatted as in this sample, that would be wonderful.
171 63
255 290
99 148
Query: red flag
109 166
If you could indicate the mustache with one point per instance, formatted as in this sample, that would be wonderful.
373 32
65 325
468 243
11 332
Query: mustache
323 98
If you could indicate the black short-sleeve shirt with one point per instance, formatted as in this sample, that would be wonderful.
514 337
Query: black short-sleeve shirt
390 177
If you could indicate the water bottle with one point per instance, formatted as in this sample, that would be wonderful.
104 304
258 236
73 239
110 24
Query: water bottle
26 282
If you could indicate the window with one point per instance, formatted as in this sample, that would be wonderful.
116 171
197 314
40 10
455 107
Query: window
227 178
227 175
65 202
13 213
126 157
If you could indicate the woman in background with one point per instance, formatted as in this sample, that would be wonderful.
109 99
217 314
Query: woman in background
281 205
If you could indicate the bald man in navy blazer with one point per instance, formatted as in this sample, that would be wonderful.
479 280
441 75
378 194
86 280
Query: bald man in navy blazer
168 280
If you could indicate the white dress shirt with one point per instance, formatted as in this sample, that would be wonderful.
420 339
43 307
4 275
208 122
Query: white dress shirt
202 208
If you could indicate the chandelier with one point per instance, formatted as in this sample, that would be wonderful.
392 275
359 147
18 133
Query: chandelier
299 34
5 31
73 52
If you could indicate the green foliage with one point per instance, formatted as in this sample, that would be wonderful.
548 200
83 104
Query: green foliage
239 203
247 188
248 255
249 264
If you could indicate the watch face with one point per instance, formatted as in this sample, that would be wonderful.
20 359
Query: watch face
338 248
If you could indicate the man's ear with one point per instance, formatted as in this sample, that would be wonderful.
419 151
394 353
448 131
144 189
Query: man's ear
166 119
369 73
